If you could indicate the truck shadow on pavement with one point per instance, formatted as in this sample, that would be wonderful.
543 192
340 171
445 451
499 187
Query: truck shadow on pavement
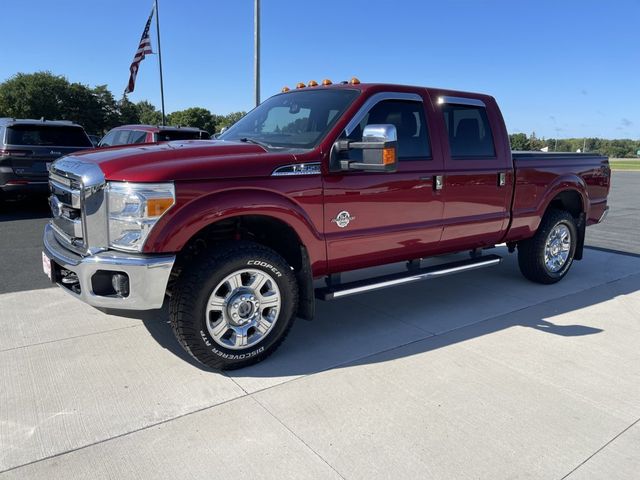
24 209
428 316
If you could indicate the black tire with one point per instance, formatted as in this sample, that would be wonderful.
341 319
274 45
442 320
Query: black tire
531 252
195 285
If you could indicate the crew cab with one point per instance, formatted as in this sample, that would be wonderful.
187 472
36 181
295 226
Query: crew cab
137 134
323 179
28 147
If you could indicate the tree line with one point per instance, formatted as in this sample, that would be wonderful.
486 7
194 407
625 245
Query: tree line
623 148
53 97
43 94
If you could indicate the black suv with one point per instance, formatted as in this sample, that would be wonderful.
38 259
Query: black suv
27 148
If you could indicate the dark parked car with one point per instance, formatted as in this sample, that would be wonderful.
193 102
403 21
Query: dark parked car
27 148
133 134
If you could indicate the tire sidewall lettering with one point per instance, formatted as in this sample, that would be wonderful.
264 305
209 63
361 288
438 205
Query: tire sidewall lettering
265 265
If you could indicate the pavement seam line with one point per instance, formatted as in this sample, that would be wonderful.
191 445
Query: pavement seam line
286 427
69 338
121 435
601 448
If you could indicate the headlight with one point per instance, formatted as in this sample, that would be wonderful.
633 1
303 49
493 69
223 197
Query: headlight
134 208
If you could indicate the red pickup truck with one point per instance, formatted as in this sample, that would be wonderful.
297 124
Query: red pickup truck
315 181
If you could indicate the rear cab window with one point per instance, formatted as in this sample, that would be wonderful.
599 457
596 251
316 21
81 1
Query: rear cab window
469 131
49 135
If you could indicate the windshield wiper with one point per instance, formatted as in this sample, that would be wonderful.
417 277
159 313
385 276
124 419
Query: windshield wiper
256 142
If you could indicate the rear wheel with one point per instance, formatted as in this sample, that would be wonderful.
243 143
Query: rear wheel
548 255
234 305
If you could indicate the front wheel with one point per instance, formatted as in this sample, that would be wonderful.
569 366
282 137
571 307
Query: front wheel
234 305
548 255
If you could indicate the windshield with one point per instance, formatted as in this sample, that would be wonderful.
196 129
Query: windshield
49 135
292 120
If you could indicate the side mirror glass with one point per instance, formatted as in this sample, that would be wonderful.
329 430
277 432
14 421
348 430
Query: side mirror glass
379 147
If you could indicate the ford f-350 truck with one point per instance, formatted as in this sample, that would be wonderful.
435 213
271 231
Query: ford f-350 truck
317 180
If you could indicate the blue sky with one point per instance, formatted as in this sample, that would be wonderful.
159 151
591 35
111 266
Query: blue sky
559 68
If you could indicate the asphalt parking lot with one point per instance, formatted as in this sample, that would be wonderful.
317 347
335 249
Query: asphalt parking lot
480 375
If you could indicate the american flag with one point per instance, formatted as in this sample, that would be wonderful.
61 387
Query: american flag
144 48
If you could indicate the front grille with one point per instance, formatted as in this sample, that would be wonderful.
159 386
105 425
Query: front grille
65 202
76 202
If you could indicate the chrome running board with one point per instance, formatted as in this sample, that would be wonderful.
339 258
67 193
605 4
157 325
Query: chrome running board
402 278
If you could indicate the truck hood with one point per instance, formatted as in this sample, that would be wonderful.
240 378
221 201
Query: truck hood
185 160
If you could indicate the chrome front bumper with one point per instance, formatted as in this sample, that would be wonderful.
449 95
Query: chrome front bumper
148 274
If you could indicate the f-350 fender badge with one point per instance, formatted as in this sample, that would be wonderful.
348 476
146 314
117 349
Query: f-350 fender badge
343 219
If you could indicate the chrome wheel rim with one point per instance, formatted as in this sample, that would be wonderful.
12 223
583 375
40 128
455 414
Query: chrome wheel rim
557 248
243 308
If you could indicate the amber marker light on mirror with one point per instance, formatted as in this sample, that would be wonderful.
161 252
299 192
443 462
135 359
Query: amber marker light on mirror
312 83
326 82
388 156
300 85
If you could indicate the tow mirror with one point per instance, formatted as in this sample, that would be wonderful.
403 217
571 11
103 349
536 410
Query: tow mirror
379 147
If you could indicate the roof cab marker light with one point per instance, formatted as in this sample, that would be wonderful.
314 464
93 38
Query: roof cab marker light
300 85
354 81
326 82
312 83
285 89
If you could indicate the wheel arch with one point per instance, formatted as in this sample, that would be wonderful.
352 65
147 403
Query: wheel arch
278 223
570 194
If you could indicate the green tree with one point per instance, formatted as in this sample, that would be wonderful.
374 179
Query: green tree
225 121
110 117
128 113
519 141
148 113
193 117
82 106
34 95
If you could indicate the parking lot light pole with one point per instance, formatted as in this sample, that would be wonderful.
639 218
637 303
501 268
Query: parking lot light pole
160 62
256 50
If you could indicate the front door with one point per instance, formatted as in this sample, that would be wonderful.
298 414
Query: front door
398 215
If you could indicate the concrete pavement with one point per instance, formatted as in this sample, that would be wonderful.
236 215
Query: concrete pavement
480 375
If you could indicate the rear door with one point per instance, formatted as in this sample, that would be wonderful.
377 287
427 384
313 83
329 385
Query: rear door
395 216
477 183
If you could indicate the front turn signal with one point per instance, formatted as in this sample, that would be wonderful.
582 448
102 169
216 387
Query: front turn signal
157 206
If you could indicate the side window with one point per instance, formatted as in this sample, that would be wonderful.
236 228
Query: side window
121 137
411 126
137 136
107 140
469 131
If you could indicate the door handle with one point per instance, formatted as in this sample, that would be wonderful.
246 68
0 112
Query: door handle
502 179
436 180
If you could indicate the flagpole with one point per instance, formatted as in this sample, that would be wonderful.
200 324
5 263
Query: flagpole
160 61
256 52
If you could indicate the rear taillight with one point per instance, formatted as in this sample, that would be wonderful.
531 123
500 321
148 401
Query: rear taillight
14 153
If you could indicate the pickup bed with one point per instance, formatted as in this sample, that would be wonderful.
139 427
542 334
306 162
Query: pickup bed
314 182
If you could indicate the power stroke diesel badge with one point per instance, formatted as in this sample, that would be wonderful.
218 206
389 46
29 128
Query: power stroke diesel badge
342 219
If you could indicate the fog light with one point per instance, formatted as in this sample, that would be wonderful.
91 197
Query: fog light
120 282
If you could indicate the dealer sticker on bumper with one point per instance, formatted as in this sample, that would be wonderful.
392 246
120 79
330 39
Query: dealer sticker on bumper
46 265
